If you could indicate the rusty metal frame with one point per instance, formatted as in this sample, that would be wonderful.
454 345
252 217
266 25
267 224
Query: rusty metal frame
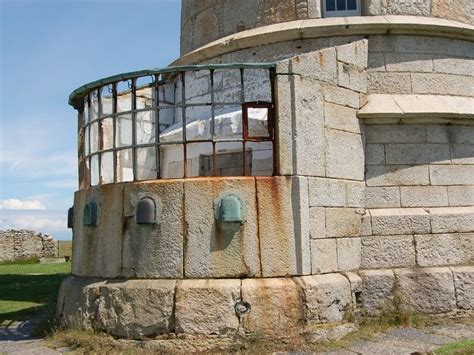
87 157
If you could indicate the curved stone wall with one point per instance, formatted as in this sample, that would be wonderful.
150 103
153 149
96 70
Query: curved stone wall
205 21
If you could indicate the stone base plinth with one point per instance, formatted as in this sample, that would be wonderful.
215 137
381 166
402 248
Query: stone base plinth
269 306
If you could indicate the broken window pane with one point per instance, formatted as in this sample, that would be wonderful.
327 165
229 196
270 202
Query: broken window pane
124 130
95 170
146 163
124 165
258 122
172 161
261 154
107 167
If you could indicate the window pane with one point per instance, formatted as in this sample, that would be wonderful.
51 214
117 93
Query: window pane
108 133
228 122
86 111
341 5
145 98
166 94
124 97
199 159
261 157
229 159
106 100
257 85
171 125
94 137
94 106
351 4
145 122
330 5
124 131
146 163
198 123
172 161
107 167
258 122
95 170
86 140
227 88
124 165
198 86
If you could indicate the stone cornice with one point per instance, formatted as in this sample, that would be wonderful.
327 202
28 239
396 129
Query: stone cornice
329 27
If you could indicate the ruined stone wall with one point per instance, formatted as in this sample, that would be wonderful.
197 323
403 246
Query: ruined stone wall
21 244
205 21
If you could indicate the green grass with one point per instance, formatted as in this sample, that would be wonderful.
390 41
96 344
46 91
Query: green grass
28 289
64 248
465 347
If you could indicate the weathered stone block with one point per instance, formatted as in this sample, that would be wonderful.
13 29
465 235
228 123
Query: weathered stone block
377 288
424 196
389 83
387 251
417 153
424 44
450 65
154 251
395 175
461 134
353 53
323 256
400 221
464 285
461 195
343 222
328 297
355 194
452 175
366 228
348 253
284 129
444 249
452 219
443 84
317 222
429 290
382 197
345 155
320 65
374 154
341 96
352 77
276 306
214 249
341 118
458 10
327 192
283 232
207 307
376 62
395 134
136 308
462 153
409 62
416 8
437 134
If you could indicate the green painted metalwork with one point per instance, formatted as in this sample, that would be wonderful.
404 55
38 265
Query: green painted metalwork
76 99
230 209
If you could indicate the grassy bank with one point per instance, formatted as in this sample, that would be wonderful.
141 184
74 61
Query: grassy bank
28 288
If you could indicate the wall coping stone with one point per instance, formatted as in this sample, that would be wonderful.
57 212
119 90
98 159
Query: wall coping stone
417 107
329 27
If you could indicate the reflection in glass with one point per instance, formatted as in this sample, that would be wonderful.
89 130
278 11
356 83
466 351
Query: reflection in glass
106 100
107 133
124 130
95 170
258 122
341 5
199 159
229 159
351 4
145 98
146 163
198 123
261 155
330 5
257 85
172 161
94 137
124 97
198 87
94 105
228 122
86 141
86 111
124 165
107 167
145 129
171 125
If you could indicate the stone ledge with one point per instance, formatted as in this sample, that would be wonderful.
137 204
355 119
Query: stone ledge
328 27
417 109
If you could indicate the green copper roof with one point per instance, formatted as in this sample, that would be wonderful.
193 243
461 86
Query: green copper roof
76 99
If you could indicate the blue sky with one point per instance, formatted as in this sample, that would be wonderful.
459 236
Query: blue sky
49 48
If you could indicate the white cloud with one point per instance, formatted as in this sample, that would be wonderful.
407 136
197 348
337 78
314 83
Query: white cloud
15 204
